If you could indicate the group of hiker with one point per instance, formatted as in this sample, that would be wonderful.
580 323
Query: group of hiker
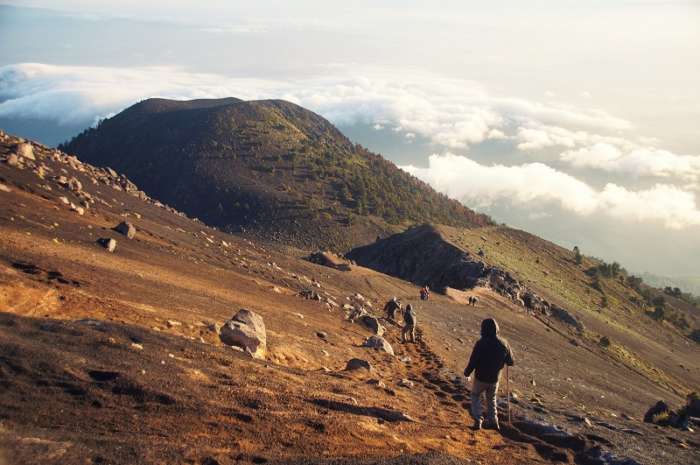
490 355
409 318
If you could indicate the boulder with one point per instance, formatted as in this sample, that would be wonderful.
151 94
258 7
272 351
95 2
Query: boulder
126 228
246 330
378 343
357 364
25 150
656 409
372 324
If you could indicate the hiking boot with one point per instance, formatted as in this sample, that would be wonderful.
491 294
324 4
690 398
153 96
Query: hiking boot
477 424
493 424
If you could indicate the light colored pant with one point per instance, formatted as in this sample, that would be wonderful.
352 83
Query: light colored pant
410 330
489 390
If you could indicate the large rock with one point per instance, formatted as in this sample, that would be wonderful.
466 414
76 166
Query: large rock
379 343
127 229
246 330
372 324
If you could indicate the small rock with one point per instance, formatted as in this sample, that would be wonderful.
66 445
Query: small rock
25 150
136 346
108 243
372 324
377 382
379 343
407 383
171 323
64 200
127 229
4 188
322 335
14 161
357 364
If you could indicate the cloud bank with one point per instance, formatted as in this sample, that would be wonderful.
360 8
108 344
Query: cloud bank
482 186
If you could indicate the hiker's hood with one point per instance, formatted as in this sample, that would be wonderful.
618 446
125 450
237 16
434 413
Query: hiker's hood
489 328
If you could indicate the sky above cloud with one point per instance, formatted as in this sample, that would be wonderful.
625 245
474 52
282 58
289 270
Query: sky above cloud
556 115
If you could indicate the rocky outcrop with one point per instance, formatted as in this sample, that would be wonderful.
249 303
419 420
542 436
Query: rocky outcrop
246 330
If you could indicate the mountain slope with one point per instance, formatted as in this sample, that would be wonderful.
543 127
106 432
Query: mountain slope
269 167
115 358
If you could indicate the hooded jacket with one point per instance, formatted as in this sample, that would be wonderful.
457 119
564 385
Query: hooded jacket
490 354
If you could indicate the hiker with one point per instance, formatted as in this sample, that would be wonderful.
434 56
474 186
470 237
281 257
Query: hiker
391 307
425 292
488 357
409 324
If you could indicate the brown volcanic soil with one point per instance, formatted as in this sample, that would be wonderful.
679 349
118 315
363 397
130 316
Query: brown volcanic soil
92 372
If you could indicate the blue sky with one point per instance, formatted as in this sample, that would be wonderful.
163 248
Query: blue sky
574 120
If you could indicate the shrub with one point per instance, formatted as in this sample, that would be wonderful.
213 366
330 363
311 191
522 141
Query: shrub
604 341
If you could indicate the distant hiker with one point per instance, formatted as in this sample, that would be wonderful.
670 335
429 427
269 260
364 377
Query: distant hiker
391 307
425 293
409 324
488 357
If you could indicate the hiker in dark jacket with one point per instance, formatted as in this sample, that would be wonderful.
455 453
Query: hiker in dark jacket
488 357
390 309
409 324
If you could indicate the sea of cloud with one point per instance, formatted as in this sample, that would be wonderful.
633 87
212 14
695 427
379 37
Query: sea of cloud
451 114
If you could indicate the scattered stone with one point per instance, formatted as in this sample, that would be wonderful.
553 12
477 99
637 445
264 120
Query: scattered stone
75 185
405 359
407 383
379 343
136 346
4 188
14 161
246 330
108 243
322 335
172 323
376 382
127 229
76 208
64 200
357 364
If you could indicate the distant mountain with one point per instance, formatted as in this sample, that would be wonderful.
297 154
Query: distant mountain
269 167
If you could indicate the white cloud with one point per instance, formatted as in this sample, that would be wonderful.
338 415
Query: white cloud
537 184
448 112
638 161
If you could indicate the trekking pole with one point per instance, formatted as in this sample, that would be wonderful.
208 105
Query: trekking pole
508 393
